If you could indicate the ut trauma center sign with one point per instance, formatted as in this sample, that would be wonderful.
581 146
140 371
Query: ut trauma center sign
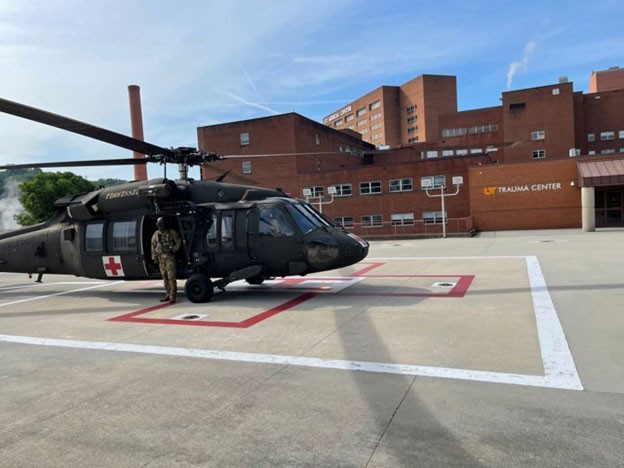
522 188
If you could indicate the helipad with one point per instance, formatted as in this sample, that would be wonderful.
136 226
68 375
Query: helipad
473 318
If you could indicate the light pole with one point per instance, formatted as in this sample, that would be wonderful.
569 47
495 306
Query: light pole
307 193
428 183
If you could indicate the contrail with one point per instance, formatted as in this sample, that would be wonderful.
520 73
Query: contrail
249 103
522 65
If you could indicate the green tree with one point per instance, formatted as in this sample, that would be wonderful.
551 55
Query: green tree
40 193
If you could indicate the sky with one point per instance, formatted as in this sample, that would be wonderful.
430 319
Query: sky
203 62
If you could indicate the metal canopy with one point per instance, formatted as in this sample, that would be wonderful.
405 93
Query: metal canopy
601 173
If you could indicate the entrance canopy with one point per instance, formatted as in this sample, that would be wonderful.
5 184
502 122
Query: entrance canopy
601 173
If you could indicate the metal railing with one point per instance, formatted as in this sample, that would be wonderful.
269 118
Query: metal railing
459 226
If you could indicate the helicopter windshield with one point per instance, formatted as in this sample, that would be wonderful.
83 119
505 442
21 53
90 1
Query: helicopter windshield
306 221
315 214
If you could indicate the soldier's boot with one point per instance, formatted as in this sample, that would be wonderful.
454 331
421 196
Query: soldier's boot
165 299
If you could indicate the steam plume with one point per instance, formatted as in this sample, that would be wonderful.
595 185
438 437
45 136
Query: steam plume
9 206
522 65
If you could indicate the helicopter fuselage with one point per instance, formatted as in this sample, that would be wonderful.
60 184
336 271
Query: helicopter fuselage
106 235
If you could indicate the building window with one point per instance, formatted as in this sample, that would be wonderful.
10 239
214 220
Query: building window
412 130
361 111
376 126
538 135
351 127
476 151
621 134
431 154
375 105
411 109
539 154
94 241
124 236
461 152
592 152
370 188
246 169
607 151
432 182
372 221
338 123
361 123
401 185
375 116
591 137
447 152
344 221
411 119
412 140
607 136
402 219
517 106
244 139
555 91
318 139
434 217
343 190
349 118
376 136
317 191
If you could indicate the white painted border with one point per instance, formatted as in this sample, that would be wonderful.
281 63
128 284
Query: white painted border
559 368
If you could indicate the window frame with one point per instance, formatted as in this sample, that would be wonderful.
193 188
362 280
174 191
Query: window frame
405 184
371 184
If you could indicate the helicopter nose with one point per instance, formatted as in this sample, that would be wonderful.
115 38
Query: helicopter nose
356 250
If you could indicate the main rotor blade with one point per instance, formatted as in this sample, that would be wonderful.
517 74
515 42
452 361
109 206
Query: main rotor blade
81 128
93 162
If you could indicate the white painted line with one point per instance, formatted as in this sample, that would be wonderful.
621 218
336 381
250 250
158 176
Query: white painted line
37 298
556 356
400 369
439 258
23 286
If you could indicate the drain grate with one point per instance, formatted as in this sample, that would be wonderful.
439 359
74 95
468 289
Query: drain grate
189 317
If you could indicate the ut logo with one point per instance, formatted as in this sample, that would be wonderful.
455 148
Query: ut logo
489 190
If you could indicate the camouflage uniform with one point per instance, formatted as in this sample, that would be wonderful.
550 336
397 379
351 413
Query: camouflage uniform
165 244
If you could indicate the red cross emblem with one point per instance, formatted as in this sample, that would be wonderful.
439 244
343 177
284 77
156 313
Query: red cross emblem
112 266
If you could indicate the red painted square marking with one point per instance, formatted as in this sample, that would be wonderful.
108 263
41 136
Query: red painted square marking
459 290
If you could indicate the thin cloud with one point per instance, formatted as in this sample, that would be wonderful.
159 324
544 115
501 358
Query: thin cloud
522 65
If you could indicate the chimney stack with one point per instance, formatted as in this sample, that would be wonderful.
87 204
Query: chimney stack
136 123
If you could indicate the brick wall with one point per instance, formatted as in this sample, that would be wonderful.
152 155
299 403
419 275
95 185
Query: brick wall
525 196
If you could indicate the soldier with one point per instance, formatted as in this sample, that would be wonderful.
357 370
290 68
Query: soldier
165 243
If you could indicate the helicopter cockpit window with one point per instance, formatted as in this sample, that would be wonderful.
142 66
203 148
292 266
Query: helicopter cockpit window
315 213
273 223
305 222
94 241
124 236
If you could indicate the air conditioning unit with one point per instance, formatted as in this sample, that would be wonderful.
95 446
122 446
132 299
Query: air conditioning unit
574 152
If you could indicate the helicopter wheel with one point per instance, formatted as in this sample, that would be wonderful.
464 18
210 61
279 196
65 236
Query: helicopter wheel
256 280
198 288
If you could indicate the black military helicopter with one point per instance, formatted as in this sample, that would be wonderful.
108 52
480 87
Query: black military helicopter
229 232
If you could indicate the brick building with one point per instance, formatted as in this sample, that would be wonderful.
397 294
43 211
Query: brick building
521 163
399 115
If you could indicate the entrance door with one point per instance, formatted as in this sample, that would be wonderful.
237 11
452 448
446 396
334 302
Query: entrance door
609 207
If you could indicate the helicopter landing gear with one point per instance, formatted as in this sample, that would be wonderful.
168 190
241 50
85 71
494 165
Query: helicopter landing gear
199 288
256 280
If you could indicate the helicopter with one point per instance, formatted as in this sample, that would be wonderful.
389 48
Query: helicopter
229 232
